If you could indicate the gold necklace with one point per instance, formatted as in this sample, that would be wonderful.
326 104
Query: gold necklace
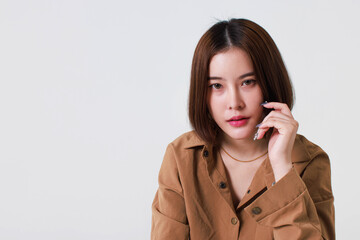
243 160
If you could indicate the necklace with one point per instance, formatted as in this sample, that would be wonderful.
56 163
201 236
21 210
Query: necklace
243 160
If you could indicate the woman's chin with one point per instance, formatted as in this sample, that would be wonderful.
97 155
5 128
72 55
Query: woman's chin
240 136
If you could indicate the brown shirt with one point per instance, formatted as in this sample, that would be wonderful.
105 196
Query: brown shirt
194 201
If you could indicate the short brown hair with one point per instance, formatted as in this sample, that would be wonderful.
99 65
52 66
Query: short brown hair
270 70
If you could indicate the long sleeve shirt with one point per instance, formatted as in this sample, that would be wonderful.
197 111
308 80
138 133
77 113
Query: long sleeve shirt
194 201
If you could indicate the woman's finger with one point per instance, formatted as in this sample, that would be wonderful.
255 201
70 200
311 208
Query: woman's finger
278 115
283 126
280 107
261 132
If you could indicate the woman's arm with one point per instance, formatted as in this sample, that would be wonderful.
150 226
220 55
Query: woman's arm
168 209
299 208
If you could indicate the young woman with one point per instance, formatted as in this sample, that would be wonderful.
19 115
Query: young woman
243 172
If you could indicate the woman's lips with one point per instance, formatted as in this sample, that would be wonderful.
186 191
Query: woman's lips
238 123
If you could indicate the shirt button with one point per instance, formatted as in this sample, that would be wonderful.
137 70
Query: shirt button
248 191
256 210
206 153
222 185
234 220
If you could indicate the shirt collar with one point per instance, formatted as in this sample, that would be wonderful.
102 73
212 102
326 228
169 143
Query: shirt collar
299 153
194 141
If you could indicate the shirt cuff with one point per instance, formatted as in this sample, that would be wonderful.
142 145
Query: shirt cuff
285 191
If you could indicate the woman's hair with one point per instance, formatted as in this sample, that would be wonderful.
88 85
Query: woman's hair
269 68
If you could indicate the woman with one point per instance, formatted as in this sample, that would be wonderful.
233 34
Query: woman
243 172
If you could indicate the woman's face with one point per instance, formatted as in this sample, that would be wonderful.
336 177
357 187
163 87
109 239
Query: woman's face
234 95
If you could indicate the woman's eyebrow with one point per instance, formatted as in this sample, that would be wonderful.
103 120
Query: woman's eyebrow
247 75
241 77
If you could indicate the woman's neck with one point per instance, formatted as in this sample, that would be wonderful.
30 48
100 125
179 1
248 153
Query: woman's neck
245 148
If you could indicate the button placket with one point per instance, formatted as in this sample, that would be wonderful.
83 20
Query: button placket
216 176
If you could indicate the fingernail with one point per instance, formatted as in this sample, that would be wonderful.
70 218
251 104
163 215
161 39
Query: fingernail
264 103
258 125
256 135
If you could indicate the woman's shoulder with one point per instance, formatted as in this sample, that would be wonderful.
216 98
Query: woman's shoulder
177 151
305 150
187 140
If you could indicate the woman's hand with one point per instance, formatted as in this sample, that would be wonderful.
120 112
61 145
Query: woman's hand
282 139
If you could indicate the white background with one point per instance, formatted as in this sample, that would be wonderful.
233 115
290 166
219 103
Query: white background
92 92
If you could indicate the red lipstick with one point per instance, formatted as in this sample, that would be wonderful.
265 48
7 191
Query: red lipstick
238 121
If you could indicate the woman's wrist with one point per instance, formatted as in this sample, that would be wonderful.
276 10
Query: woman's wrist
281 169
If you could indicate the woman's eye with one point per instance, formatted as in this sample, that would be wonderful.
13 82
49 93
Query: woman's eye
248 82
216 85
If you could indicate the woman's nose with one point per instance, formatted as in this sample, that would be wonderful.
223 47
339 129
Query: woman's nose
235 99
